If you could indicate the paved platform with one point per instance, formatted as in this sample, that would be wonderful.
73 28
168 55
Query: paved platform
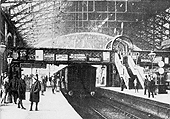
51 106
164 98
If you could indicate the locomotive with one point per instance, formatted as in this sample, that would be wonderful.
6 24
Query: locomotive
77 80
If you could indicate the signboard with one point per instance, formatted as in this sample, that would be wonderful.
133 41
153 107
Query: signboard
38 54
48 57
166 60
77 57
106 56
61 57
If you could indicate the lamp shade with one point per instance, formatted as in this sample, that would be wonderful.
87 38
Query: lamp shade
2 49
152 54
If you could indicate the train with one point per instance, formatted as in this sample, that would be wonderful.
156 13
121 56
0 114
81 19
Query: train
77 80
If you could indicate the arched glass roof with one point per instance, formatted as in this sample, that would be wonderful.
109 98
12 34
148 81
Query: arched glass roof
145 21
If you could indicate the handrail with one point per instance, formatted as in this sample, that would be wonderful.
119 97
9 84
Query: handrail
122 70
135 70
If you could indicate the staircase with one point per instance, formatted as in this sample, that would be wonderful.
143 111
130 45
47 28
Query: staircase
136 70
122 70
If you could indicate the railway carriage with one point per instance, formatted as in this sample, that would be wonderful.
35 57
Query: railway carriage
78 80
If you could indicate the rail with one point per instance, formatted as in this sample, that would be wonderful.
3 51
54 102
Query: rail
122 70
136 71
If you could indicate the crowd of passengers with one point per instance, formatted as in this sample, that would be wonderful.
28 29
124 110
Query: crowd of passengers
14 90
149 85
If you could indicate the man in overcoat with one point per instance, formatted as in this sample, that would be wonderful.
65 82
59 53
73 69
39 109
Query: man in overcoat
35 93
21 91
14 87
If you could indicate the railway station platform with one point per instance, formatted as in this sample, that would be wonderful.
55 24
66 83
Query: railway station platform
163 98
51 106
159 105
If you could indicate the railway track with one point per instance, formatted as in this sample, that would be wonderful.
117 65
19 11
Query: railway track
100 107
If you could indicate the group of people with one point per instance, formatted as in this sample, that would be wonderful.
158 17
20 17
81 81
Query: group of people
55 83
16 89
149 85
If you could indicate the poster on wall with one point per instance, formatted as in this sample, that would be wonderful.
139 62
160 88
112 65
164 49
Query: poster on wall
106 56
101 75
38 54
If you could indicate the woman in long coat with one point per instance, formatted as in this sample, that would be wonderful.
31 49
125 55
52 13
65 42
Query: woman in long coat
35 93
21 91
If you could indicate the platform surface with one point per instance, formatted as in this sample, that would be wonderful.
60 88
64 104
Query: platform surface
51 106
164 98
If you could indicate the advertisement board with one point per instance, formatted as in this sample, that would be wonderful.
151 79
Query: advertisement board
61 57
77 57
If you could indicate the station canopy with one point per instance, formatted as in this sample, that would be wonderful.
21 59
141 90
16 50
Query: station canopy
55 21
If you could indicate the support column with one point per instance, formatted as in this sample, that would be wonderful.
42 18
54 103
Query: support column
109 76
2 37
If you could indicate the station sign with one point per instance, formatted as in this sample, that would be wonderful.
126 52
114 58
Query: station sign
61 57
166 60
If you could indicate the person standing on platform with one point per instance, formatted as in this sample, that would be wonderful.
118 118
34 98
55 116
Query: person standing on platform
151 88
14 87
35 93
54 82
145 84
58 83
21 91
122 84
5 90
43 85
136 84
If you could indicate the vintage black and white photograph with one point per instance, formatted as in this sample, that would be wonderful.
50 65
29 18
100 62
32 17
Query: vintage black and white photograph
85 59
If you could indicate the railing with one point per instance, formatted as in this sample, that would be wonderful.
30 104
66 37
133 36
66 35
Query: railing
122 70
136 70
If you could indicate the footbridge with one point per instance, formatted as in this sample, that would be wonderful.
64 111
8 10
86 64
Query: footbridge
85 47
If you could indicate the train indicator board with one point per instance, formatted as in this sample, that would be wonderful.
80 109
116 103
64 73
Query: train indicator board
32 65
